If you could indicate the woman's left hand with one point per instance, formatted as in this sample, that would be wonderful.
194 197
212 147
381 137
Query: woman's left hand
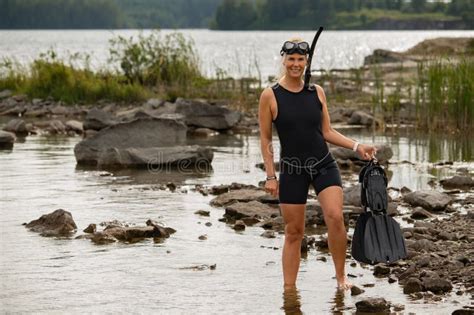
366 152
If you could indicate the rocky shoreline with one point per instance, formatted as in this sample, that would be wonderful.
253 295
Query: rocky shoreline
437 223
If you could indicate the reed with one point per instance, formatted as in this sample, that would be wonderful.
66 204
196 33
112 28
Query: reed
445 94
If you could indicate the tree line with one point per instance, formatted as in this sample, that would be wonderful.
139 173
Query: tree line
221 14
306 14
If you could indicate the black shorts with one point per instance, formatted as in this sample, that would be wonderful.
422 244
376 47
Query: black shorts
294 182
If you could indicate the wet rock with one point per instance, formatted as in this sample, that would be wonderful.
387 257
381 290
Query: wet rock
139 133
254 209
249 221
392 279
183 157
384 56
276 224
239 225
91 228
200 267
208 224
204 115
437 285
7 139
59 110
419 214
202 237
381 270
268 234
355 290
461 182
412 285
56 127
98 119
373 305
429 199
56 223
130 234
422 245
352 195
242 195
17 126
361 118
203 213
75 126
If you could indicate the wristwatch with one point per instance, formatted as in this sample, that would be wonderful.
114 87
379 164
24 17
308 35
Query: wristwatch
271 177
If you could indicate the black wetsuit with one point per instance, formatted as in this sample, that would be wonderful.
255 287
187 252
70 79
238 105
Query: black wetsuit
304 157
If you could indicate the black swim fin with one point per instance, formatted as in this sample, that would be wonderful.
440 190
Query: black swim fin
383 239
358 248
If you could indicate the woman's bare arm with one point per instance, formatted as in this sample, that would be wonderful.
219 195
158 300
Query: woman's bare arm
334 137
265 123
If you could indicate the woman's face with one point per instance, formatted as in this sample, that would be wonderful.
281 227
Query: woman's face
295 64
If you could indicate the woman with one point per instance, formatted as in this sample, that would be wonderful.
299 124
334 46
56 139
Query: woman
302 121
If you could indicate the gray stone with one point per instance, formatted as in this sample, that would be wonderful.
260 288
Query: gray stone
75 126
429 199
98 119
463 182
361 118
139 133
56 127
56 223
17 126
373 305
254 209
239 225
242 195
91 228
355 290
7 139
352 195
412 285
437 285
182 157
420 213
201 114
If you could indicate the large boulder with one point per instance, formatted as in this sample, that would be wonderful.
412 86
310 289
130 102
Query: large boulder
56 223
97 119
180 156
139 133
6 140
361 118
201 114
463 182
429 199
17 126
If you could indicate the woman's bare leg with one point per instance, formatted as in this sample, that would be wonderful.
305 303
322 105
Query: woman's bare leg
294 217
331 202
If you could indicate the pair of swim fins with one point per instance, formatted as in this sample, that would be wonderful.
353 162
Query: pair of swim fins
377 236
377 239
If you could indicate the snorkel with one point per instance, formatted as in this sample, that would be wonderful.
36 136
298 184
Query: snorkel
307 74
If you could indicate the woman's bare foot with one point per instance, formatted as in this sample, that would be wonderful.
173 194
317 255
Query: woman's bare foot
343 284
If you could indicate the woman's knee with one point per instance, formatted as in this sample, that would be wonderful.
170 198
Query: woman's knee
334 218
294 233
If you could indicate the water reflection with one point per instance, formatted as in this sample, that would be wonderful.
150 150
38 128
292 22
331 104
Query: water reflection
291 301
338 302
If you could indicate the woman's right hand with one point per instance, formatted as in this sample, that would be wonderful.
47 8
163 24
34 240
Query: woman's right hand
271 186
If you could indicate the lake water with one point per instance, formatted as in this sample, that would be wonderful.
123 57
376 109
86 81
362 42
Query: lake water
236 52
50 275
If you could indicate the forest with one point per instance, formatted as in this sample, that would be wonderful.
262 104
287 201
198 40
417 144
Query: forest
235 14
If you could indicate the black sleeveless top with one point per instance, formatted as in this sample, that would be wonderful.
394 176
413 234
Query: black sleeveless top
298 124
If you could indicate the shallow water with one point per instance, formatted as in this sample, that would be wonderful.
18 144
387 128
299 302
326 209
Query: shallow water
48 275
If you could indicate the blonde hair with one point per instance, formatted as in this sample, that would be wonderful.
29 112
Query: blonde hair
281 68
